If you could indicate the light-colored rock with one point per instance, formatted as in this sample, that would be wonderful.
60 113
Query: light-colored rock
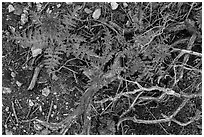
13 74
58 5
8 132
46 92
24 18
114 5
11 8
36 51
88 11
19 84
7 109
30 103
55 106
6 90
125 4
97 13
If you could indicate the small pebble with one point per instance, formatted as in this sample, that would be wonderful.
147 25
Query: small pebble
68 3
7 109
55 106
52 115
46 92
114 5
6 90
18 83
30 102
24 18
125 4
97 13
88 11
58 5
13 74
8 132
11 8
40 108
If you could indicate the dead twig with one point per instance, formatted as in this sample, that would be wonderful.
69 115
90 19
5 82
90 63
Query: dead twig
50 110
14 112
35 76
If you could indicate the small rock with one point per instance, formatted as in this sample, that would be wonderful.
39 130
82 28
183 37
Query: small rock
97 13
55 106
18 84
55 93
52 115
30 102
46 92
13 74
48 11
8 132
24 18
6 90
68 3
114 5
58 5
36 51
125 4
88 11
7 109
40 108
11 8
13 30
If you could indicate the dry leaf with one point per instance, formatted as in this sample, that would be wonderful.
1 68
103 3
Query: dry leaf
114 5
97 13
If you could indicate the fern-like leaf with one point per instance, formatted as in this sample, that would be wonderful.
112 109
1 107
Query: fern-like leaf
30 39
53 58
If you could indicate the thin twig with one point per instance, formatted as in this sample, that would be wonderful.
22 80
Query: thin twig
7 118
156 119
35 76
14 112
50 110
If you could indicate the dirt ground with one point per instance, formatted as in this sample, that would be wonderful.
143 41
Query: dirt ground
101 83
